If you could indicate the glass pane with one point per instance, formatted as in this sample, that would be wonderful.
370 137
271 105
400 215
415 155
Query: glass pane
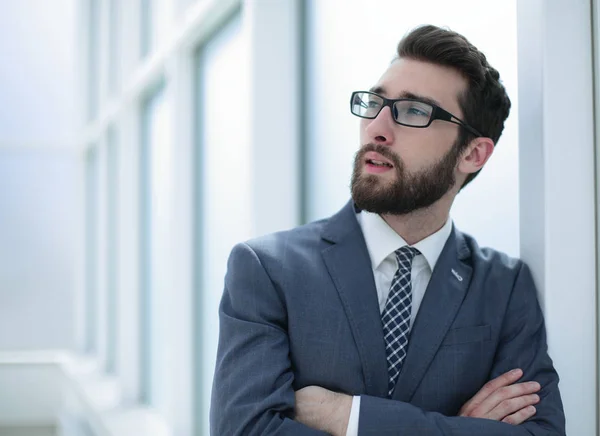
184 5
156 20
113 46
111 249
156 149
93 84
224 179
91 255
145 27
340 62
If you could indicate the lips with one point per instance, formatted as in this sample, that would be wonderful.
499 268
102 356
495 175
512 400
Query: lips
379 163
378 160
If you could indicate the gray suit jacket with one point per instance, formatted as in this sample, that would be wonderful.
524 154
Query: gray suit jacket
300 308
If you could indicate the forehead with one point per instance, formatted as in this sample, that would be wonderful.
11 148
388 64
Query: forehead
439 83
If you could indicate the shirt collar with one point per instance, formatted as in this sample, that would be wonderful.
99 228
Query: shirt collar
382 240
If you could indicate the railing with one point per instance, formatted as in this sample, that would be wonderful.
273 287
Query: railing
56 389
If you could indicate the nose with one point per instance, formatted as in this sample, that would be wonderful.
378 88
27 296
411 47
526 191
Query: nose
381 129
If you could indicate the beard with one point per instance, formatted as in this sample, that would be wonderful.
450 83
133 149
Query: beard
406 193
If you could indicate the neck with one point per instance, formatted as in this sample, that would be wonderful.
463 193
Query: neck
418 225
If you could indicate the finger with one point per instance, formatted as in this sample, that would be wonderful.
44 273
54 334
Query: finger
512 405
512 391
520 416
508 392
506 379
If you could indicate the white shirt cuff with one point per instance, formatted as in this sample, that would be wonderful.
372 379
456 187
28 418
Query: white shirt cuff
354 414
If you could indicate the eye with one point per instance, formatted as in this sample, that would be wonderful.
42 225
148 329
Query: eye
416 111
413 113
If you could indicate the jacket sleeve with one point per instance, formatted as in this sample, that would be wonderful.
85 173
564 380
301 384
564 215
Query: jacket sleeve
252 388
522 345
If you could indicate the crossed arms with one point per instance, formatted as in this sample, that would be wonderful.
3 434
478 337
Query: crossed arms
253 389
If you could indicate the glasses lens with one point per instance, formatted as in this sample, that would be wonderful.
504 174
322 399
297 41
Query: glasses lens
412 113
366 105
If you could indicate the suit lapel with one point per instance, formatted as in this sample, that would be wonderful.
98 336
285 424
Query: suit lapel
446 290
349 266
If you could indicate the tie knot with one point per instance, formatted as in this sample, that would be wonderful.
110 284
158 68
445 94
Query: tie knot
406 254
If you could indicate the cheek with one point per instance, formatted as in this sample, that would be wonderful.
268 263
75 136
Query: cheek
363 131
419 151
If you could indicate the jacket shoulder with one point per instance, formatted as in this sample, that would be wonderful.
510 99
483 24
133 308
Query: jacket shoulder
278 246
491 259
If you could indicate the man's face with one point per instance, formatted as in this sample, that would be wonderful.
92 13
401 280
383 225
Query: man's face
420 163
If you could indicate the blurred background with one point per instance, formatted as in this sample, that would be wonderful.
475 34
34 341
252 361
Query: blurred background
141 139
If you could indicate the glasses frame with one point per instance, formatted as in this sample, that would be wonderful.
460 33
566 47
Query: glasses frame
437 114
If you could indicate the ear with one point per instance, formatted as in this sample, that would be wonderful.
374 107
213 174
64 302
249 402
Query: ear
476 155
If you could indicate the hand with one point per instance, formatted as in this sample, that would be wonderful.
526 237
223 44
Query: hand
323 410
504 400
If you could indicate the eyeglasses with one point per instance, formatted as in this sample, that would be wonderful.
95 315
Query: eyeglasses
406 111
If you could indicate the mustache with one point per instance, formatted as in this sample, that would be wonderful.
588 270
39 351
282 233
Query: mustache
382 150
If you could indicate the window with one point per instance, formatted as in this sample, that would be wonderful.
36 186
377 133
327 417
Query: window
112 255
184 5
224 188
93 64
91 244
156 20
113 46
155 256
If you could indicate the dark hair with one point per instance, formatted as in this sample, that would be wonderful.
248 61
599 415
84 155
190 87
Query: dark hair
485 104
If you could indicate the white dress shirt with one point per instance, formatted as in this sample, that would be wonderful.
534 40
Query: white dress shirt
382 241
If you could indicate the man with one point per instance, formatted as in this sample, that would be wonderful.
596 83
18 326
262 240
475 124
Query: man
385 319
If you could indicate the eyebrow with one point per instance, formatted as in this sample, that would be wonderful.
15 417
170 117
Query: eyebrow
406 94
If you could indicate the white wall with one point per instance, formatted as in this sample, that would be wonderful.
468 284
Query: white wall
37 54
38 204
558 217
40 176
